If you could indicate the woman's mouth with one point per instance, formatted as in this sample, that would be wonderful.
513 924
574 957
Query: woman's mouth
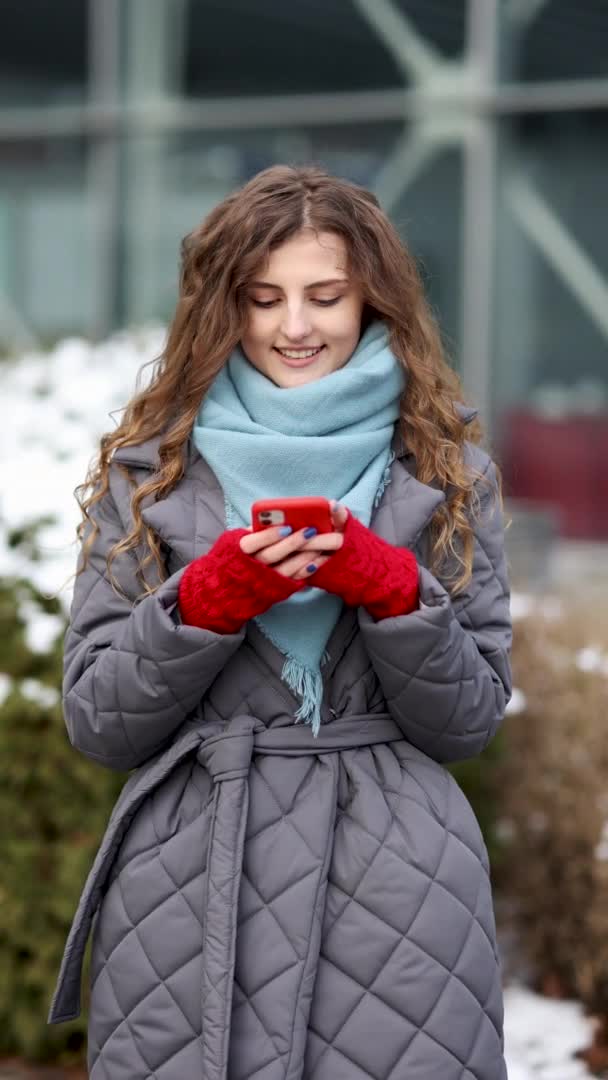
299 357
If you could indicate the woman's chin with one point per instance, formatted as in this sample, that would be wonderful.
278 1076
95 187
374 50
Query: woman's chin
285 379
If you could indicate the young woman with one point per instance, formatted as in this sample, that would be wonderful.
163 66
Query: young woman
291 886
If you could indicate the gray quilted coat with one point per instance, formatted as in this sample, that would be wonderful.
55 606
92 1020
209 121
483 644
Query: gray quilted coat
264 905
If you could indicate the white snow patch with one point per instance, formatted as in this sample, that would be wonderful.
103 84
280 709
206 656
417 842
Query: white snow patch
524 605
517 703
592 659
542 1036
55 408
601 850
44 695
41 628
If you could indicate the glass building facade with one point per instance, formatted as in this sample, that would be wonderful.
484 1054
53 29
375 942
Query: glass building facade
482 125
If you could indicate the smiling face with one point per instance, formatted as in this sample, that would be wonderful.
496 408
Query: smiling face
304 314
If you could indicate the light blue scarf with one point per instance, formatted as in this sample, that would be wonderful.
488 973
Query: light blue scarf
330 437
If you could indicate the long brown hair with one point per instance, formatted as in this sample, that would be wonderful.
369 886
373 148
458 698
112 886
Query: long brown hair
218 259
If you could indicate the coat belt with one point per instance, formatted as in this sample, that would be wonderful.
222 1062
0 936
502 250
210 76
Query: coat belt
226 753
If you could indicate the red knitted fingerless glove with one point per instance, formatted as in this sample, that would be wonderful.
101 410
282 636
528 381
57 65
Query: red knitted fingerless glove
224 588
367 571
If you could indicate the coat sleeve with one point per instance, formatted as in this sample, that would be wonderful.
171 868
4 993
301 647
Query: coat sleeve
445 668
132 671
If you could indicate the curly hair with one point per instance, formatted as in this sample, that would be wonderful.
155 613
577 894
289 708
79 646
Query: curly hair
218 259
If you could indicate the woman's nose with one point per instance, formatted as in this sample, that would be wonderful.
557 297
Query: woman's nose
296 324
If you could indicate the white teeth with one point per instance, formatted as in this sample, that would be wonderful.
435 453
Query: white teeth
299 354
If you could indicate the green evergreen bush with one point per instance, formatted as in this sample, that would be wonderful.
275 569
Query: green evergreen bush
54 804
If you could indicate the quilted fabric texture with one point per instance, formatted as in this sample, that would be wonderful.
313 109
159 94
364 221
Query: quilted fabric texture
263 905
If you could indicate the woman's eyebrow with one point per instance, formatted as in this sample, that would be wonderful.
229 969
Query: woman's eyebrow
313 284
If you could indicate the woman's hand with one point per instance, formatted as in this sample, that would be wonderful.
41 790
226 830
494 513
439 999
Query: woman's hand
296 556
369 572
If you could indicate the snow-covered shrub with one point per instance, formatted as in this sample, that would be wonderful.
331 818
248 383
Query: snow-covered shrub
54 803
553 788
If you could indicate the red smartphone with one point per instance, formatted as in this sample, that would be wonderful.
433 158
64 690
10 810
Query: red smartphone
299 513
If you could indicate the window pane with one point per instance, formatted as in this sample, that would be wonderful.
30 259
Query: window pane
551 357
442 24
47 267
40 65
543 40
235 47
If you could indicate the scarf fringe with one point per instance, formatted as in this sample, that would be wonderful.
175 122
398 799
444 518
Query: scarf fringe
308 685
303 681
385 480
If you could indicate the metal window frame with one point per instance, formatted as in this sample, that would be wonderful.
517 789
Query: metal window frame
465 94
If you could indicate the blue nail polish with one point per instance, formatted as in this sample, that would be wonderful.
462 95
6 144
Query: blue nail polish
285 530
311 531
311 568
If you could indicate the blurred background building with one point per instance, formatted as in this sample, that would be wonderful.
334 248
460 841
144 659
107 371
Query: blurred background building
482 126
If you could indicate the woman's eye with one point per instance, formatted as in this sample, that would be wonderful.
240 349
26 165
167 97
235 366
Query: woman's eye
271 303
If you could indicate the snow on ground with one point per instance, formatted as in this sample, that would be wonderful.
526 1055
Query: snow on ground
55 408
543 1035
517 703
523 605
592 658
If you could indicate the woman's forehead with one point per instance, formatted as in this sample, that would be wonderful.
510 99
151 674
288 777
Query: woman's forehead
323 255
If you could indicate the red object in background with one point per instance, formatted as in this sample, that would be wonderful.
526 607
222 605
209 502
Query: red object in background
561 464
601 495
